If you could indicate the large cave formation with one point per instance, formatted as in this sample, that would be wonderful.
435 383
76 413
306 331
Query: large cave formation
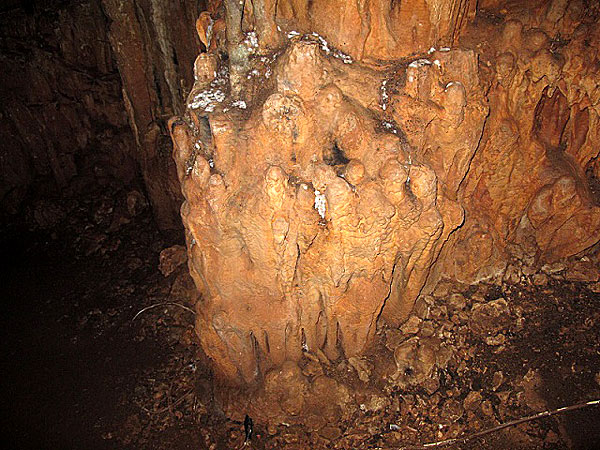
337 160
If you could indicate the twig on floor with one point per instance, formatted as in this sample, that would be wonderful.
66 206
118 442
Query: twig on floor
156 305
504 425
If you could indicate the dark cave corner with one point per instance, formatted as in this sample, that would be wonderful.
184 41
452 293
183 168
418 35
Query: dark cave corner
66 128
299 223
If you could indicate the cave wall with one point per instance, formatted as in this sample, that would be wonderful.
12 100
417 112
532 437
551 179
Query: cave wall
155 44
62 117
531 193
87 87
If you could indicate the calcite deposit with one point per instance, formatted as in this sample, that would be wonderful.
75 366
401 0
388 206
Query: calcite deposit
531 193
343 158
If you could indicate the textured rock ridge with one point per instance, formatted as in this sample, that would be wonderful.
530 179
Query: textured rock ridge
532 190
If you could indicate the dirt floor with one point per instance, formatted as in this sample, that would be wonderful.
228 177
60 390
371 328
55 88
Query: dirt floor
86 366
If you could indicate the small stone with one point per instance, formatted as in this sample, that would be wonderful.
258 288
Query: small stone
478 296
393 338
421 308
585 271
375 403
497 380
499 339
427 330
551 269
528 270
540 279
136 203
489 318
472 401
457 301
411 326
443 356
437 313
431 385
486 408
330 433
415 361
362 368
443 288
409 399
171 258
452 410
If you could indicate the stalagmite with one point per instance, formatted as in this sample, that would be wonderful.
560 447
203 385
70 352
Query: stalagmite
342 160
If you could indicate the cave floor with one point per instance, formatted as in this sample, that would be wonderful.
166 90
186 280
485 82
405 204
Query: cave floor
79 372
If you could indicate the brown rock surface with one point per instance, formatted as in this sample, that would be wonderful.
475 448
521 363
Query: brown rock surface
304 214
61 114
77 78
379 30
154 44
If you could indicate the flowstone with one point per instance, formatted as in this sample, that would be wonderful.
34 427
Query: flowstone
327 189
304 216
309 211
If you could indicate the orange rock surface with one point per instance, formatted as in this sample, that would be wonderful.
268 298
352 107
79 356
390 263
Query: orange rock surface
531 193
346 156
